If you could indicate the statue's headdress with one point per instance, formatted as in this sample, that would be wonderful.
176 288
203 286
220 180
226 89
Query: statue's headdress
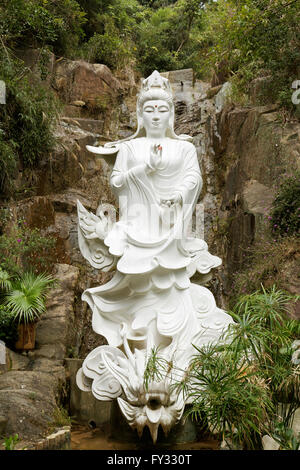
155 80
154 87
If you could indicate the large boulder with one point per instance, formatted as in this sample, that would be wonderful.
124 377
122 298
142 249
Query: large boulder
91 84
54 331
28 401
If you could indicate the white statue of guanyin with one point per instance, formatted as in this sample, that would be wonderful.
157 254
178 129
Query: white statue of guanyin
150 303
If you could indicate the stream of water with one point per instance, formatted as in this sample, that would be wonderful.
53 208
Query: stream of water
83 438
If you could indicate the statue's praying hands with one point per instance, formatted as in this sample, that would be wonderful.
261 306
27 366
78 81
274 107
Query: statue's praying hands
155 158
154 164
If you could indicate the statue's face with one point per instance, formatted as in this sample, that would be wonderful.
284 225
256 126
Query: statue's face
156 117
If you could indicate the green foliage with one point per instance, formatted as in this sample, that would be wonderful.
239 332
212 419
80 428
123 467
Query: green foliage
254 38
248 382
8 161
5 280
111 31
8 328
265 335
26 300
268 308
24 117
107 49
285 437
43 62
10 442
39 22
121 15
267 261
156 368
27 20
163 35
61 417
285 214
26 249
228 395
168 36
153 46
26 121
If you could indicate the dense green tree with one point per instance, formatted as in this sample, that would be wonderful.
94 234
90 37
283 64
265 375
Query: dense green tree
111 31
39 22
254 38
26 120
168 36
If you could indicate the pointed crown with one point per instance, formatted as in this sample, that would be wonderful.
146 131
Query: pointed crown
155 80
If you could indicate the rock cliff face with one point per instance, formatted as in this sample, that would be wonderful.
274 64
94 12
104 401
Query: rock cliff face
242 152
253 148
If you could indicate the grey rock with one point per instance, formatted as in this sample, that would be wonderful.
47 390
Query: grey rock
28 401
3 423
296 423
269 443
54 332
223 96
258 198
17 361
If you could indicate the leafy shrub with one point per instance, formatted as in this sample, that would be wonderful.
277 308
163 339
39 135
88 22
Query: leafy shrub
26 249
285 214
107 49
238 385
111 31
122 15
40 22
285 437
253 38
227 396
267 337
25 20
29 114
8 161
61 417
10 442
26 121
5 280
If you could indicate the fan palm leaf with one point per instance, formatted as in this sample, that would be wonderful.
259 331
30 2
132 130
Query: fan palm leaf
27 298
5 281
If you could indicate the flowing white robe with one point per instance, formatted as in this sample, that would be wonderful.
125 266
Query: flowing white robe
151 283
143 237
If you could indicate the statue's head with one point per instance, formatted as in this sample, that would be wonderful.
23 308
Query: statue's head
155 91
155 107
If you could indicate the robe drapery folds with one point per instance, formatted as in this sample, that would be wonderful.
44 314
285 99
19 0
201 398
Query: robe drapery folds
150 242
